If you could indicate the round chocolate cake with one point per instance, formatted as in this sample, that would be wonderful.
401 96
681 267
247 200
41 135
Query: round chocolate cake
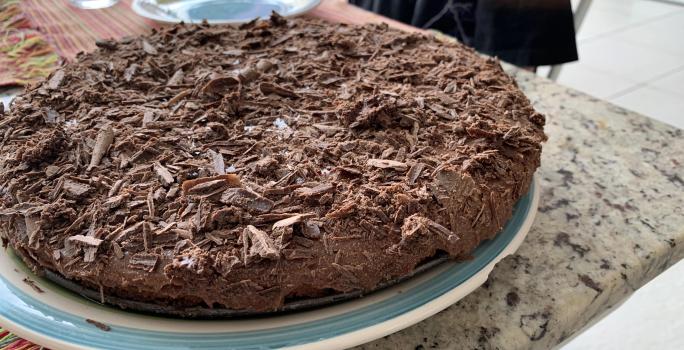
242 168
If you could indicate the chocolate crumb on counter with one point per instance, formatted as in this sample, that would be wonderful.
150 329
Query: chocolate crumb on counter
242 167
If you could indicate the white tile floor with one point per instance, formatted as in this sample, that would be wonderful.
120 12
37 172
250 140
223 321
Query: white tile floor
632 54
653 318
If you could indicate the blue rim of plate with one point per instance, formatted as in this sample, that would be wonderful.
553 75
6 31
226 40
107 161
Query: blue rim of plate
28 313
163 15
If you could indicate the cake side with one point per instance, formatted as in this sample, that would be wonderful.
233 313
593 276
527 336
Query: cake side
242 167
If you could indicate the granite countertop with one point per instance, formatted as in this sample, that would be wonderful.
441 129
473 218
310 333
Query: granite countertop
611 218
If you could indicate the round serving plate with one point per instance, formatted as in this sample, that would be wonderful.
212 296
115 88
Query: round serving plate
59 319
219 11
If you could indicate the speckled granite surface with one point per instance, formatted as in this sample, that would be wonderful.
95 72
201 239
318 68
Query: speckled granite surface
611 218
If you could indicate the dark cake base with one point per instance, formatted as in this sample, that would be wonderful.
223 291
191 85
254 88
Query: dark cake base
218 313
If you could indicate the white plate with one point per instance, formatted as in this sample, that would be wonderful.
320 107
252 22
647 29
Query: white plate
57 317
219 11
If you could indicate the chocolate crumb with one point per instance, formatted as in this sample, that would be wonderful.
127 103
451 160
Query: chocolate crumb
387 164
99 325
31 283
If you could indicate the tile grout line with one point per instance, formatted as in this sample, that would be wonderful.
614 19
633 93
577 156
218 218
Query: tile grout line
626 27
625 91
671 2
643 84
664 74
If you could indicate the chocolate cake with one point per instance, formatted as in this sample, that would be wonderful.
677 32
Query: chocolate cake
241 168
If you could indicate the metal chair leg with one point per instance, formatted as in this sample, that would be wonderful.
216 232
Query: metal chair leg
580 14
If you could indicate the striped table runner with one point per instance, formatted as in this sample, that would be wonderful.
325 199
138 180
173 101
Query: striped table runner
25 55
9 341
71 30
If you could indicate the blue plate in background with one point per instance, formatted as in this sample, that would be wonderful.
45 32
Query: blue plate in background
218 11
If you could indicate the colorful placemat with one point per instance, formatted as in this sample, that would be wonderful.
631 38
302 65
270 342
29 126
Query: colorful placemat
25 54
9 341
71 30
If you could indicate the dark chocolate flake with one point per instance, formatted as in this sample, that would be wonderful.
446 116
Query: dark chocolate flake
414 173
164 174
99 325
220 86
247 199
291 220
268 88
149 48
56 80
106 44
31 283
315 191
129 72
311 229
104 139
206 184
85 240
261 245
75 189
176 78
387 164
